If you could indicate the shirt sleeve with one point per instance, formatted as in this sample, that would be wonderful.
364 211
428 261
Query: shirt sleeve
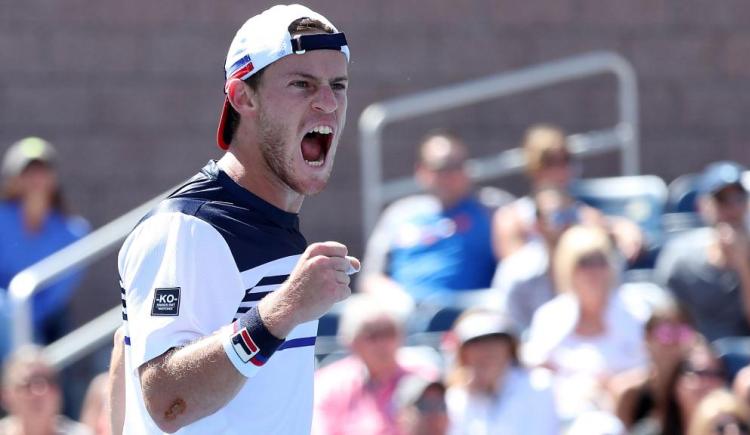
181 283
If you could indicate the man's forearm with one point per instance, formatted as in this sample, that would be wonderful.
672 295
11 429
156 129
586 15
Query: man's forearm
186 384
116 385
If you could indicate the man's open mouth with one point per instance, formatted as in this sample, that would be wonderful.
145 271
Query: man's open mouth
315 145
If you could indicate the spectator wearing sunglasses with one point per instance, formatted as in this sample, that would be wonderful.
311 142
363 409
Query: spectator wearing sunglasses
549 162
698 373
32 396
641 393
589 331
437 243
355 394
720 413
708 269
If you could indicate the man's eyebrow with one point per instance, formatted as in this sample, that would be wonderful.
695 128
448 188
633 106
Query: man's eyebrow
316 78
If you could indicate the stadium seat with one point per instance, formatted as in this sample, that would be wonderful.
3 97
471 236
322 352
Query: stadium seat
641 198
682 194
734 353
438 313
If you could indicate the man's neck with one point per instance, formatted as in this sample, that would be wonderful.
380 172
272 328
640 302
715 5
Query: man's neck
257 178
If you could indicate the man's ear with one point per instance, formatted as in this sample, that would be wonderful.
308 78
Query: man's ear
241 96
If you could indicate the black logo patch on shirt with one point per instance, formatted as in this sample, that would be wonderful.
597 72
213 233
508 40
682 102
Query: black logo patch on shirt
166 302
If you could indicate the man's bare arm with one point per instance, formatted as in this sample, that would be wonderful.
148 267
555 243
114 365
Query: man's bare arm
116 384
186 384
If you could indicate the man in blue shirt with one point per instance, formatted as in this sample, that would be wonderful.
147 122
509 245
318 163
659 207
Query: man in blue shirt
436 242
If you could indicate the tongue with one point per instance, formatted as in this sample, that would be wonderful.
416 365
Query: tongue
312 150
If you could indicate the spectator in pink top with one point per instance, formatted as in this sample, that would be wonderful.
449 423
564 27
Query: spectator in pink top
356 394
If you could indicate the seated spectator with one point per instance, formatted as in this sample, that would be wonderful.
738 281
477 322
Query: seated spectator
549 162
698 373
720 413
707 269
355 394
35 223
588 332
420 406
32 397
524 279
641 393
488 391
95 409
436 242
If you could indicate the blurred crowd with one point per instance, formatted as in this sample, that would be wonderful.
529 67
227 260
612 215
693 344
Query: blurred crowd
544 314
474 314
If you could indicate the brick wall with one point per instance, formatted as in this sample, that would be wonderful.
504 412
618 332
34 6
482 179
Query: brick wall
130 91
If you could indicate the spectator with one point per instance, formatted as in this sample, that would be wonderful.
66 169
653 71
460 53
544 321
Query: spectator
524 278
355 394
549 162
698 373
708 269
437 242
95 410
34 223
489 392
32 397
641 393
589 331
720 413
420 406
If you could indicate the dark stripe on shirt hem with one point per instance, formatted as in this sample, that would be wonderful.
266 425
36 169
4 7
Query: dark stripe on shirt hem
297 342
253 297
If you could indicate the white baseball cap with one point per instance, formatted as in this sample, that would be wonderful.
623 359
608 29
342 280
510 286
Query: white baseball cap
482 323
264 39
25 151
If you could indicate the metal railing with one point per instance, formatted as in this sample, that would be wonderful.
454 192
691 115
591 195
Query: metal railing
624 135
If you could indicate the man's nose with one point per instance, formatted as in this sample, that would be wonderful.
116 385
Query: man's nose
325 100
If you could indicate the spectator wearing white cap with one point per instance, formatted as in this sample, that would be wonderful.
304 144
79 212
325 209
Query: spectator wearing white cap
35 223
489 393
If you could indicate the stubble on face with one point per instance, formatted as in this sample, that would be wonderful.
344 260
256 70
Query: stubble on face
273 146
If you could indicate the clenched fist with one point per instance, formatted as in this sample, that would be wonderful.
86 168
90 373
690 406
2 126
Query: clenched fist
319 280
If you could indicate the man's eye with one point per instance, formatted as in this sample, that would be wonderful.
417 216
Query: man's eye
339 86
300 84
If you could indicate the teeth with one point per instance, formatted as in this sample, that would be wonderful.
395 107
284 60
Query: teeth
316 163
322 129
